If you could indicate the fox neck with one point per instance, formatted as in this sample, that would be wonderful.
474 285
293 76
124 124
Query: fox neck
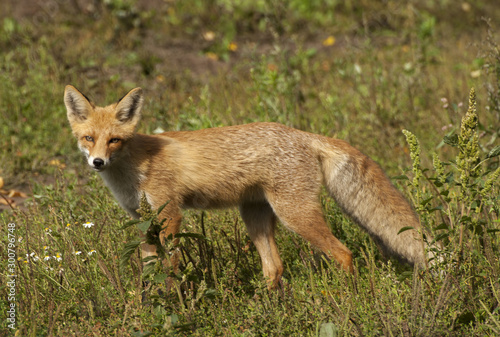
123 179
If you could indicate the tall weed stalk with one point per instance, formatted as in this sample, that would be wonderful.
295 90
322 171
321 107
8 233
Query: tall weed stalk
458 200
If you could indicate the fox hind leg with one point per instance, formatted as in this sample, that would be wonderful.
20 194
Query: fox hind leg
307 220
260 221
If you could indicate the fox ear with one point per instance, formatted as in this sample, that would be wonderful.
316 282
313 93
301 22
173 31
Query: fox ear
77 104
129 106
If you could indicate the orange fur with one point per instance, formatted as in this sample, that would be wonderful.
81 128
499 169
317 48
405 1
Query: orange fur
269 170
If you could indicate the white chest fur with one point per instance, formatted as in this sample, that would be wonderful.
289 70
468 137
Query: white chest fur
124 181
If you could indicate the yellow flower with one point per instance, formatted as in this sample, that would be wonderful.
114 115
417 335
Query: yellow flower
212 56
57 163
160 78
233 46
329 41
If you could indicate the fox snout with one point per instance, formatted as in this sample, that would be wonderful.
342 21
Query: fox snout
97 164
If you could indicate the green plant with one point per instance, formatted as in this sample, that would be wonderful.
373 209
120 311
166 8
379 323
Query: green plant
459 202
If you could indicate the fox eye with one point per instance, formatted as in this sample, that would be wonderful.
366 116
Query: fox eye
89 139
114 140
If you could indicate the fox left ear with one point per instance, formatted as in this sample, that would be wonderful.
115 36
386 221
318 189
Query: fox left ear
78 106
129 107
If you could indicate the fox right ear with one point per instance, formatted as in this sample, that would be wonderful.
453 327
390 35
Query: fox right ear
128 108
77 104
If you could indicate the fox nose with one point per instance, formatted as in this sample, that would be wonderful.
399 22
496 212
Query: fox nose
98 162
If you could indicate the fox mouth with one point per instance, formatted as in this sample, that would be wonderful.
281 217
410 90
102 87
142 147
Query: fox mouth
98 169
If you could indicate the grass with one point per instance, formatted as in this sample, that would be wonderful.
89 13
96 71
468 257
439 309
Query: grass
354 70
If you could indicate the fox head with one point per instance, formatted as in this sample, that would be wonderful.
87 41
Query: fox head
102 132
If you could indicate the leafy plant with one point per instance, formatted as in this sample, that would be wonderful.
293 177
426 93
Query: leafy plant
460 203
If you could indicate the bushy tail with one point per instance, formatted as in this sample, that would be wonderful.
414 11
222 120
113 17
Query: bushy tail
364 192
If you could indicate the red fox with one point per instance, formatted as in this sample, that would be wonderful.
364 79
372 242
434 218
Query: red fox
270 171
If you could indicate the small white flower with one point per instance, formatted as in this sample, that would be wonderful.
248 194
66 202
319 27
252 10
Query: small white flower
46 258
78 252
88 224
357 68
91 252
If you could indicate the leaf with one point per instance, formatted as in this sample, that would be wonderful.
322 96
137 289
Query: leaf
465 219
8 202
466 318
159 311
451 140
441 226
144 226
190 235
426 201
437 208
404 275
494 152
174 319
328 330
161 208
450 178
142 333
404 229
127 251
210 293
148 269
440 237
149 259
130 223
160 278
437 183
